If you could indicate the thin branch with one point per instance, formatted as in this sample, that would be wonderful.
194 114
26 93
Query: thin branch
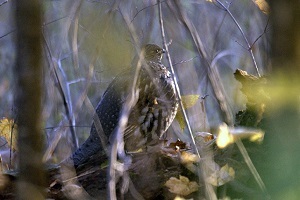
184 61
117 148
47 23
4 2
67 100
61 92
243 34
221 55
142 10
251 166
12 31
212 73
200 173
59 131
54 127
178 93
246 48
204 97
264 32
67 16
11 142
217 33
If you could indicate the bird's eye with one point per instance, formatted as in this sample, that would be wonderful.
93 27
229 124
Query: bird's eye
157 50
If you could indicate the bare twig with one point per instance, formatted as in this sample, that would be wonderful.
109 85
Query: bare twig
67 16
142 10
75 10
75 38
4 2
204 97
117 148
53 21
184 61
212 73
174 77
201 173
251 166
264 32
59 131
221 55
11 142
243 34
218 31
2 36
54 127
61 92
246 48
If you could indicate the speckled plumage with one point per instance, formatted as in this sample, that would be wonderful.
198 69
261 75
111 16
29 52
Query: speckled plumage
149 118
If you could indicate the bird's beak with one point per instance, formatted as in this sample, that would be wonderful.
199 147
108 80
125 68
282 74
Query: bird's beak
163 51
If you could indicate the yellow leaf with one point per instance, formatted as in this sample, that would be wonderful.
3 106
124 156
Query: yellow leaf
179 117
8 130
182 186
189 101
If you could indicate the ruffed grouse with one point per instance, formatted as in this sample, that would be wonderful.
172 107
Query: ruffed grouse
149 118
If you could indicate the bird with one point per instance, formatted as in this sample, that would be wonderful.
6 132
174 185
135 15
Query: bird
150 116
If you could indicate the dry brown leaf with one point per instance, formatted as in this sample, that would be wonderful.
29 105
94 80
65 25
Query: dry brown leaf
8 130
182 186
177 145
222 176
4 180
263 6
203 137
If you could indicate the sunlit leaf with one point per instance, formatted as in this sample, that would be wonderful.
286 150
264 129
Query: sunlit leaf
180 198
182 186
227 136
224 137
263 6
187 157
253 87
8 130
179 117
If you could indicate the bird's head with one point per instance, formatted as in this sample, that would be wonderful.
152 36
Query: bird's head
152 52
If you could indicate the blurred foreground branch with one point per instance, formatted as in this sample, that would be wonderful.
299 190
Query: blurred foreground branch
28 100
